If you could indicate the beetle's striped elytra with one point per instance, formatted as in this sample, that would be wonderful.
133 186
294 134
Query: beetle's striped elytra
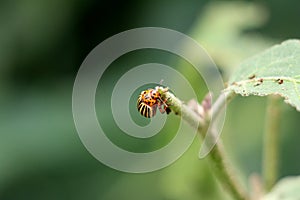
148 102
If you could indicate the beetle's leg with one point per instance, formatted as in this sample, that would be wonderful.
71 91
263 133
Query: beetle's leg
164 102
161 109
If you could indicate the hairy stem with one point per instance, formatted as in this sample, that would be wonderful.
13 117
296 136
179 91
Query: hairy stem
271 139
222 168
226 173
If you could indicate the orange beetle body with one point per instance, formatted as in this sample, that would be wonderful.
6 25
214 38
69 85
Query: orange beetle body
148 102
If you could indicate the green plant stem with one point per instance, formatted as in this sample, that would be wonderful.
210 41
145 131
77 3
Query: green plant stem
223 169
271 139
222 166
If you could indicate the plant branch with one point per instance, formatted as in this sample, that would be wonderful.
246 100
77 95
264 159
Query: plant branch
271 139
221 165
225 172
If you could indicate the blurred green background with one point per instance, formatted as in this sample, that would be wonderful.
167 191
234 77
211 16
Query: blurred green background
42 45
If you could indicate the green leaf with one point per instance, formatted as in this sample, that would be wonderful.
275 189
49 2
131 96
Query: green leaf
274 71
286 189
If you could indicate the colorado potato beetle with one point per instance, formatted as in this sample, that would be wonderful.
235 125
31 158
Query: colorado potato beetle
149 100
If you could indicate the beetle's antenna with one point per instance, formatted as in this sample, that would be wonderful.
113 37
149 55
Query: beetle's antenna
161 82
